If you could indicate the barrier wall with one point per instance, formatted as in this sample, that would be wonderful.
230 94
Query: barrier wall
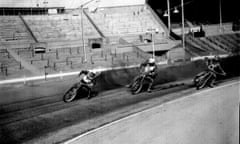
110 79
167 73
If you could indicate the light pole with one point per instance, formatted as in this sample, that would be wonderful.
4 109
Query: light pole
220 15
153 46
183 30
168 14
152 31
169 18
84 47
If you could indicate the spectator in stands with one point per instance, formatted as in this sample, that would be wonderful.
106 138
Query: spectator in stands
87 79
147 68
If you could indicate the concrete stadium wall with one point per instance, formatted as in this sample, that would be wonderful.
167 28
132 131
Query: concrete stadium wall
117 78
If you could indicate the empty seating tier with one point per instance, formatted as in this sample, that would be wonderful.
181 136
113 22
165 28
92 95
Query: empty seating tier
63 27
116 21
13 30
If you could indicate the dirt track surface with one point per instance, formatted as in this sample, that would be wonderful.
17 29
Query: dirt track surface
36 117
206 117
49 120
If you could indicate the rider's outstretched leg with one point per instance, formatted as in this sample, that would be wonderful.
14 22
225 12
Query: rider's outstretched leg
212 80
89 93
150 84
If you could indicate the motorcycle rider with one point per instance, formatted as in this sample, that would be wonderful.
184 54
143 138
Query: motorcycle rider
87 79
148 68
212 65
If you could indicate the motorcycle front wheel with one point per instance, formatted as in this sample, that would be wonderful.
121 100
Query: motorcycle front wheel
201 81
70 94
137 86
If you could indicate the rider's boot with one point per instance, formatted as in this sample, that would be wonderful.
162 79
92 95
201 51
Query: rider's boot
128 86
150 88
212 83
89 94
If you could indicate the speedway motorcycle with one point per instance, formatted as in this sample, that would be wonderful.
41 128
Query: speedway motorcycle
139 84
79 90
206 77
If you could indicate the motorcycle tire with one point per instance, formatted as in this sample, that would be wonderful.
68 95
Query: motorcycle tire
137 86
201 81
196 82
70 94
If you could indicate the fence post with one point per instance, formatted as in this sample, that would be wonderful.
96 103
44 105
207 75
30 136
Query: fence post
66 60
20 65
92 60
105 57
24 77
71 64
54 65
57 54
48 62
8 54
82 60
2 67
6 71
41 56
45 72
61 77
102 53
32 53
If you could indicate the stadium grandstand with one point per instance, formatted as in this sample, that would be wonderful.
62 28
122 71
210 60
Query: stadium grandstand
51 49
40 37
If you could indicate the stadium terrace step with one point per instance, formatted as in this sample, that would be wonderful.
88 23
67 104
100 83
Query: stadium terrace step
217 46
124 20
12 29
24 63
60 27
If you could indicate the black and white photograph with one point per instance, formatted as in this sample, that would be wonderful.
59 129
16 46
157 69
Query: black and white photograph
119 71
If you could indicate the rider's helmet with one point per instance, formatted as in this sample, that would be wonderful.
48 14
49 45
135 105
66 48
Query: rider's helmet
151 60
216 58
91 75
206 59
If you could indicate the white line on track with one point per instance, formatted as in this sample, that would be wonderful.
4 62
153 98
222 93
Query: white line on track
150 109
